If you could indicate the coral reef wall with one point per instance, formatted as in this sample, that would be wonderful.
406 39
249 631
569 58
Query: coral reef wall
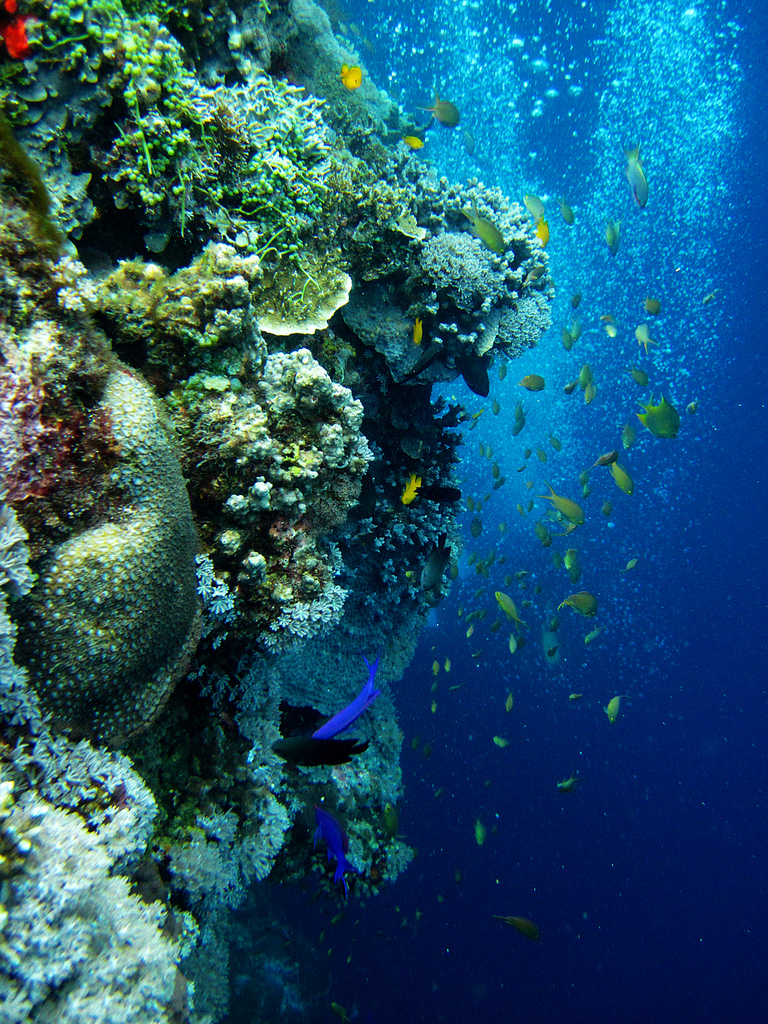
214 256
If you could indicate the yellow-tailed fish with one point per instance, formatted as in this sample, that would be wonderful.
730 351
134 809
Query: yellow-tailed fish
444 111
584 603
612 707
663 420
566 211
573 513
418 331
352 77
486 230
413 141
636 177
411 489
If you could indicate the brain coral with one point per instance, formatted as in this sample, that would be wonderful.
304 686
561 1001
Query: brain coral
113 619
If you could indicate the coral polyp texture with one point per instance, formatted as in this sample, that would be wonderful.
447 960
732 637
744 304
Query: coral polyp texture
112 621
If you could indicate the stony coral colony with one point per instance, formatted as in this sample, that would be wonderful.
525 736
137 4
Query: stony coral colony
209 399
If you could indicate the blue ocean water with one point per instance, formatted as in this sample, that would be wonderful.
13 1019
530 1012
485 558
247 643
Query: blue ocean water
649 881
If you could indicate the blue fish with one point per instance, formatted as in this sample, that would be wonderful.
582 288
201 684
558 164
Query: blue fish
329 830
352 711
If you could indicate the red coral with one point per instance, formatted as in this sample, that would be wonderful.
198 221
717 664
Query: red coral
13 30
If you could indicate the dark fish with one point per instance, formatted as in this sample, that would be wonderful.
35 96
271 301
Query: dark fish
475 374
309 751
435 565
437 493
425 359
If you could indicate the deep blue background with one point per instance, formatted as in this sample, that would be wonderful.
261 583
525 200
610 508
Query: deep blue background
649 882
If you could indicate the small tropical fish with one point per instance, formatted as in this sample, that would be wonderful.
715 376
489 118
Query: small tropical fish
509 703
480 832
573 513
628 435
611 330
710 297
575 300
568 785
411 489
435 667
469 142
503 370
331 832
613 236
307 750
413 141
486 230
585 376
589 393
652 306
643 338
638 376
542 233
566 211
613 706
443 111
435 565
522 925
591 637
575 331
500 741
447 665
575 696
509 608
352 77
340 1012
533 275
663 420
691 408
532 382
607 459
352 711
534 206
555 442
630 565
584 603
622 477
636 177
607 509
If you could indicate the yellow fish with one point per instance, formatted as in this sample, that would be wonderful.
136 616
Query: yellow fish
621 475
663 420
613 706
480 832
413 141
542 233
575 696
435 667
447 665
509 607
593 635
417 331
573 513
500 741
509 703
584 603
352 77
411 489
